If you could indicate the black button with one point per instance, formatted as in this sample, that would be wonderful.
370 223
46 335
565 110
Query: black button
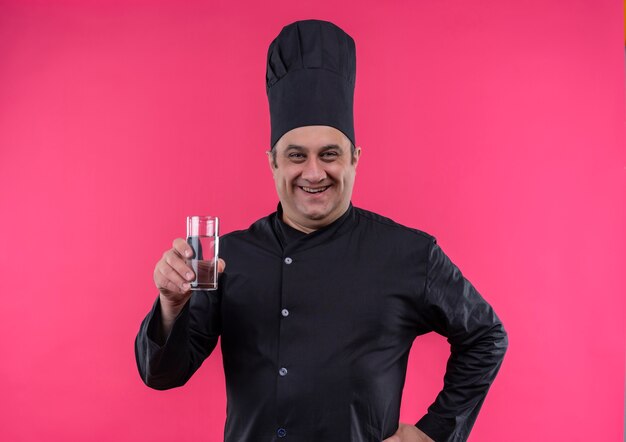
281 432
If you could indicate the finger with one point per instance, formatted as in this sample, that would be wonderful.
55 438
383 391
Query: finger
182 248
221 265
166 285
180 265
173 276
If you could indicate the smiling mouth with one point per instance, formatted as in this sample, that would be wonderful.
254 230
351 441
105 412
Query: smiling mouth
314 190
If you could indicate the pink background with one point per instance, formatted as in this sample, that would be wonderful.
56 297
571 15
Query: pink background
497 126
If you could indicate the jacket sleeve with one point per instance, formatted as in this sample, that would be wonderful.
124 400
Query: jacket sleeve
453 308
193 337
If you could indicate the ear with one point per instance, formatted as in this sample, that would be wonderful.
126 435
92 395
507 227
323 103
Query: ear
270 161
357 155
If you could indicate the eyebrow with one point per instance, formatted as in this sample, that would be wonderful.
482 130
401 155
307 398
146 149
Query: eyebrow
323 149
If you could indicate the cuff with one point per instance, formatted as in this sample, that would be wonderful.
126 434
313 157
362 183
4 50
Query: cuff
439 429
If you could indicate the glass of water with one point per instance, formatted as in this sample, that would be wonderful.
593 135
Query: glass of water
202 236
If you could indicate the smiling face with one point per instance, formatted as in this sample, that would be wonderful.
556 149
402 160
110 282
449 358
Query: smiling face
314 175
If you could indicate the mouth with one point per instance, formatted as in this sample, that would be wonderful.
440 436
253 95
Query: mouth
313 190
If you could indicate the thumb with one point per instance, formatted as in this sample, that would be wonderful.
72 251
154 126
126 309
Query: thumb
221 265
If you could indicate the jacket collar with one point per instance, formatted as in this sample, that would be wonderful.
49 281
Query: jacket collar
321 236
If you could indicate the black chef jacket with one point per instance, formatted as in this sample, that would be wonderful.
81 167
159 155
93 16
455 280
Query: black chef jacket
316 331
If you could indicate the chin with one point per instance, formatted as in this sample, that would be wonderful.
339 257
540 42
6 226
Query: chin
316 216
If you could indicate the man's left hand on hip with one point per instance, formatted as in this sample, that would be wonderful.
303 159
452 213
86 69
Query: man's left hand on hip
408 433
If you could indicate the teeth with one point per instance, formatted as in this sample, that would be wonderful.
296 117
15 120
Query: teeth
311 190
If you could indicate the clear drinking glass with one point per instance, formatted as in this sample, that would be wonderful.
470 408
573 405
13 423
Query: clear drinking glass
202 236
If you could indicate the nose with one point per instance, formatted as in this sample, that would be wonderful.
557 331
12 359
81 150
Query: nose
313 171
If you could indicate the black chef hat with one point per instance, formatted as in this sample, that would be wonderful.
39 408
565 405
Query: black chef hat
311 69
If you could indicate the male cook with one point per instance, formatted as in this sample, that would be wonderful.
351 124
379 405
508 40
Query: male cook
321 301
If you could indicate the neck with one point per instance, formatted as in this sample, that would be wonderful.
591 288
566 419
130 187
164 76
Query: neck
299 227
311 227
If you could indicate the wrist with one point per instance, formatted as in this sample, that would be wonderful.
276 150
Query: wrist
170 306
169 312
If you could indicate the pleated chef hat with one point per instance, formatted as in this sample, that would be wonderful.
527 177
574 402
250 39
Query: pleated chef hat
311 71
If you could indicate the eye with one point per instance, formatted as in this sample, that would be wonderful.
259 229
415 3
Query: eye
296 156
329 155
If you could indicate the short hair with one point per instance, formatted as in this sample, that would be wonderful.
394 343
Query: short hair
275 164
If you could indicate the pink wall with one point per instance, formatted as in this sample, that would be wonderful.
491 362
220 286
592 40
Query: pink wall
497 126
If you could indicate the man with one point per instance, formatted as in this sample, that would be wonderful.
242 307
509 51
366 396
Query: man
321 301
